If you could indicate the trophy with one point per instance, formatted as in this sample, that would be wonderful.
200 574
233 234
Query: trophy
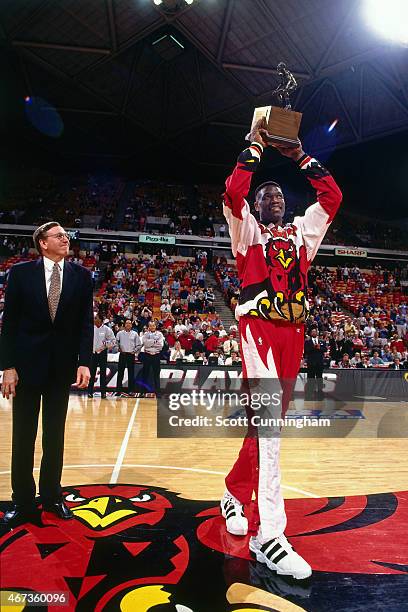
282 123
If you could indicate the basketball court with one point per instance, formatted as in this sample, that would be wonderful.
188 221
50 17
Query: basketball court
147 529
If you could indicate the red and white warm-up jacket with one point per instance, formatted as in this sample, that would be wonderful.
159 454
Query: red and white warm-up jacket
273 261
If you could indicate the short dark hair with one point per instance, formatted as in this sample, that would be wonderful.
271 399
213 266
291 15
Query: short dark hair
262 185
41 233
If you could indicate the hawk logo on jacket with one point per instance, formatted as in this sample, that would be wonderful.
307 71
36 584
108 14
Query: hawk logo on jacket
285 285
282 251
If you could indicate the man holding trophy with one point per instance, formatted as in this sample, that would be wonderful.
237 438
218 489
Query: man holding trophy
272 261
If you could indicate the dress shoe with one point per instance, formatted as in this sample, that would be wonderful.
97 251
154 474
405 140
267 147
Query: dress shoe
59 509
20 514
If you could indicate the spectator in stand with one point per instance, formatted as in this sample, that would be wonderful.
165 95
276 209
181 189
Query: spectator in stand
369 331
349 327
215 321
345 362
221 357
186 340
376 359
396 365
212 343
345 274
348 344
129 344
377 342
144 318
365 362
230 345
358 343
234 359
184 293
198 344
199 300
201 278
165 352
336 346
165 307
395 354
397 343
177 352
175 287
401 324
209 300
103 339
355 361
177 309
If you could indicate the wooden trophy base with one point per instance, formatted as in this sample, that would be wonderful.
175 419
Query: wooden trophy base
282 125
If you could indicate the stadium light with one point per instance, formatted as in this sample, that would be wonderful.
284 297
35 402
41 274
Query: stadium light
189 1
389 18
332 125
157 2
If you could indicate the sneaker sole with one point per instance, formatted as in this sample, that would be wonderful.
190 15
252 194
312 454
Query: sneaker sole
237 532
261 558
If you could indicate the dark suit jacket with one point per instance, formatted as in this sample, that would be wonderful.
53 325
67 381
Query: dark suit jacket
402 366
314 355
38 348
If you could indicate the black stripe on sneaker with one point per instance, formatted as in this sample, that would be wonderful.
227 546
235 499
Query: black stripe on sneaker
279 557
268 553
230 513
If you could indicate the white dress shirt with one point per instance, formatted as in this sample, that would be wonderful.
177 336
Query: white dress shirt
103 338
128 341
152 342
48 267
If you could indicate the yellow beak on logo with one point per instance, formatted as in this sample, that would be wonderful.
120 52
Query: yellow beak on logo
282 259
102 512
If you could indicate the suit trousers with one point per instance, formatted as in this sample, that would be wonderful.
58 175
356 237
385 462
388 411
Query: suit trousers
151 372
126 360
101 360
26 408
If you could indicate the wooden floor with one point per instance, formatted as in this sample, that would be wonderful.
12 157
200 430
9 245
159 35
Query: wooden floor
114 441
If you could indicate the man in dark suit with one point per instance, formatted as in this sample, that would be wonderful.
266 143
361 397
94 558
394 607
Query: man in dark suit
314 353
397 365
46 345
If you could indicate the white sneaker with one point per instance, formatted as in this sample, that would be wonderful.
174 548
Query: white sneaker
280 557
233 512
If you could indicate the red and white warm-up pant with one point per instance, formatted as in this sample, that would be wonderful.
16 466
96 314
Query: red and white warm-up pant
269 350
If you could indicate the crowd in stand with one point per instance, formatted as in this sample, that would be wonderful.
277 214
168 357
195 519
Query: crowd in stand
112 203
176 296
156 207
376 336
73 201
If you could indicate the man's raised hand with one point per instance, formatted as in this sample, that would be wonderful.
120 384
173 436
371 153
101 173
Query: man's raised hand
257 130
294 153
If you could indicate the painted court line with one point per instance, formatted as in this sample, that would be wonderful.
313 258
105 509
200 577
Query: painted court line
164 467
125 441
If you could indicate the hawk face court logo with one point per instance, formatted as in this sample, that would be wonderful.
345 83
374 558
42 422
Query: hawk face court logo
137 548
103 510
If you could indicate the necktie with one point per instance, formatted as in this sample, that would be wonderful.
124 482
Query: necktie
54 291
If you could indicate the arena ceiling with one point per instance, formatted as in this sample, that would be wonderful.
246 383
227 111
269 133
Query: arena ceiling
133 80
